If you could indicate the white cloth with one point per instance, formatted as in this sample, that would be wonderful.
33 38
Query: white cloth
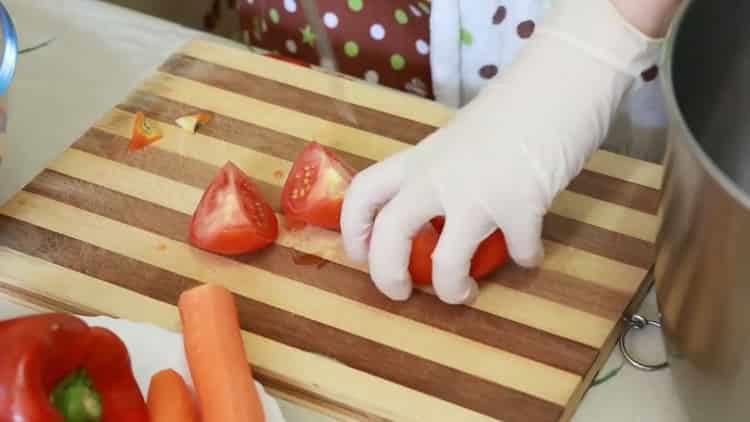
471 40
497 163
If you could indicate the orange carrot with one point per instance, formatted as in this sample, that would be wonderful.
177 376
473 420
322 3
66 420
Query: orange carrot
216 356
169 399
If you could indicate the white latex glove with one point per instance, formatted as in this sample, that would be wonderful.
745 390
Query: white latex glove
503 158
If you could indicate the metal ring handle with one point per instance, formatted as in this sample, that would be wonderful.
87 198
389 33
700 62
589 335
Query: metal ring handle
638 322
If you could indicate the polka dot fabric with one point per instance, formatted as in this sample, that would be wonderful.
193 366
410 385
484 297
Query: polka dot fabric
449 55
385 42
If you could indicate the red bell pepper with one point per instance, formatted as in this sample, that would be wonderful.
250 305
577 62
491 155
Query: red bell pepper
55 368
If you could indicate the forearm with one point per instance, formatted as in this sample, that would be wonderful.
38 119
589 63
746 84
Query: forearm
652 17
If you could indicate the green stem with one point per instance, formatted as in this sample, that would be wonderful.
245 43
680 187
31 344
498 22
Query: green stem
602 378
76 399
35 47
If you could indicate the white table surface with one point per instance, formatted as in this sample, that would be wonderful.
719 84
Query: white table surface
99 54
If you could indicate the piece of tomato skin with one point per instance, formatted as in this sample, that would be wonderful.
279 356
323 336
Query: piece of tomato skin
287 59
234 240
420 260
139 138
491 254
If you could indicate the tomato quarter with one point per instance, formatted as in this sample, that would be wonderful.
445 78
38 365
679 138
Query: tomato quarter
232 216
314 189
490 255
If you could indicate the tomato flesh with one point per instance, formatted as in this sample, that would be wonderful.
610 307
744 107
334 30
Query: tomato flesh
314 189
489 256
232 217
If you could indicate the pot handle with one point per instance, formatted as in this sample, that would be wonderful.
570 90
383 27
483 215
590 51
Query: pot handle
638 322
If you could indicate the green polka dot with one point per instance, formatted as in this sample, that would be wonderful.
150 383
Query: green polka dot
398 62
355 5
274 15
351 49
466 37
401 16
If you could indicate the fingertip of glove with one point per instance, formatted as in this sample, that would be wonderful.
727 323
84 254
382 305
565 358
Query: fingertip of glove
400 291
531 260
466 293
357 247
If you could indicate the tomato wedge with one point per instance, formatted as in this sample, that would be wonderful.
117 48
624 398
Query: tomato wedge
490 255
314 189
232 217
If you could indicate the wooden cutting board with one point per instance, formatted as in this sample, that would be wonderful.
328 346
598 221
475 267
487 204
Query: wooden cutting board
103 231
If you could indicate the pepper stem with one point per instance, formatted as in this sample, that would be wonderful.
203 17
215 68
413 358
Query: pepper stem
75 398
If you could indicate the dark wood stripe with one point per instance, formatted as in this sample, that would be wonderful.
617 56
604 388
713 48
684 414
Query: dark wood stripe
588 183
610 189
564 289
551 285
359 353
340 280
292 97
613 245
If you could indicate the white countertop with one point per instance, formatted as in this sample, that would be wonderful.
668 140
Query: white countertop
100 53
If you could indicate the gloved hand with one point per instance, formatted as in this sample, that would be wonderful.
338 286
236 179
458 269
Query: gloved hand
503 158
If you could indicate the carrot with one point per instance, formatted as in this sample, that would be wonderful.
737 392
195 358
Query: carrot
216 356
169 399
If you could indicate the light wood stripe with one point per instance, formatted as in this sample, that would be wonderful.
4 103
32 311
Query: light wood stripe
391 102
309 371
569 323
267 168
626 168
449 350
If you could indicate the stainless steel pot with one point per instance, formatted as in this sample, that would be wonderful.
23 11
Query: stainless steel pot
8 57
703 264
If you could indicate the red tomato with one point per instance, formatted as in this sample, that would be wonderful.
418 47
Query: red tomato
288 59
490 255
232 217
314 189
